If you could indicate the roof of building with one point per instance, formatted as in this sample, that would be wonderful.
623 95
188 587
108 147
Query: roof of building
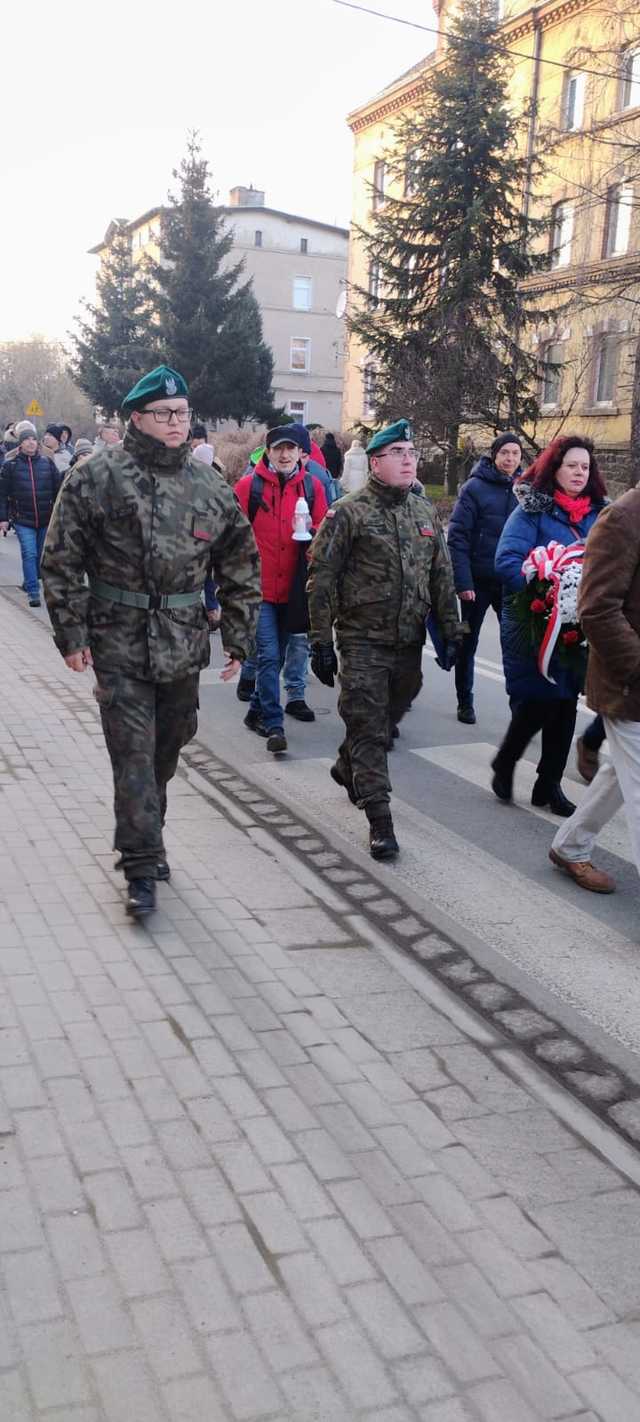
224 207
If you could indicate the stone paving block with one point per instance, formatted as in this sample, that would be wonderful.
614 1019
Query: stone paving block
53 1058
509 1222
326 1159
359 1371
91 1146
207 1299
212 1120
344 1127
113 1200
391 1330
76 1245
175 1229
343 1257
612 1400
241 1166
457 1343
465 1286
386 1183
278 1333
21 1087
14 1401
102 1322
245 1382
158 1100
312 1085
532 1374
453 1410
164 1330
269 1142
128 1375
56 1184
194 1400
243 1261
312 1394
301 1191
313 1292
138 1263
601 1238
396 1021
31 1287
212 1200
431 1242
57 1372
183 1145
9 1345
498 1401
579 1304
360 1208
423 1378
19 1223
447 1203
275 1223
562 1343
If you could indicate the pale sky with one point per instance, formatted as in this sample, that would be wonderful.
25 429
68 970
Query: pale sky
97 102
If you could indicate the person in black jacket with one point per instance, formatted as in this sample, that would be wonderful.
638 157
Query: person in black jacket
481 511
28 490
333 456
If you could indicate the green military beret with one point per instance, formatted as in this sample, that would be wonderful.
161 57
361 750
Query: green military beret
391 434
159 384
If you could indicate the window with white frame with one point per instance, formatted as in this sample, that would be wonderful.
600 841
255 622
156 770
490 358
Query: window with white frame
605 367
300 353
561 234
551 357
298 411
617 221
379 179
630 79
302 293
374 282
573 100
368 389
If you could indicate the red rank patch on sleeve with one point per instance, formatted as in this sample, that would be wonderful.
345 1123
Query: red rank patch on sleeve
427 532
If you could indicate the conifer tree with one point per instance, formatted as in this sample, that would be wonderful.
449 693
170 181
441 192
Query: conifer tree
444 316
114 345
207 317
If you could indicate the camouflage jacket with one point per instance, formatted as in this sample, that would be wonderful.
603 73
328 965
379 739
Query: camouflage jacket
379 563
149 519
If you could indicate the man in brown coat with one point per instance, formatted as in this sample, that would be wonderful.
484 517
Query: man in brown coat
610 615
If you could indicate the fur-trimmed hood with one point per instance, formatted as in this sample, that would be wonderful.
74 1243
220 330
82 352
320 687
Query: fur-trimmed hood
532 501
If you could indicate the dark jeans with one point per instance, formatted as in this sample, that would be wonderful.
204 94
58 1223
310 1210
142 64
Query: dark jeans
488 594
556 720
145 726
595 734
31 542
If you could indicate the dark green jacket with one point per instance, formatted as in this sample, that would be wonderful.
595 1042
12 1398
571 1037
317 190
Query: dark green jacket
379 564
154 520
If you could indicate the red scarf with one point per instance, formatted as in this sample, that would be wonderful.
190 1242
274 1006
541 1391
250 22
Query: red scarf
577 509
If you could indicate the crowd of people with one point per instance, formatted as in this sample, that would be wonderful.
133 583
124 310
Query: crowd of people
336 563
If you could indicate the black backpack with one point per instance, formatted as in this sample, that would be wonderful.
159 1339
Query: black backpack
256 500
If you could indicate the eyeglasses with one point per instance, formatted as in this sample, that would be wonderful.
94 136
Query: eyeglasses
164 417
397 450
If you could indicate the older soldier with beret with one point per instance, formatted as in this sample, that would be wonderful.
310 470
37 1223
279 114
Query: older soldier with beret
379 564
136 530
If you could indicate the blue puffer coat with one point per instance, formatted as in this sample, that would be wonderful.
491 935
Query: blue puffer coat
538 520
481 511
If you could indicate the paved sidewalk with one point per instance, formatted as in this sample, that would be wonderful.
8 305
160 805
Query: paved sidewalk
247 1170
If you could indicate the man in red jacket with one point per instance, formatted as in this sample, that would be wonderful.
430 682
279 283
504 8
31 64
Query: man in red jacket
280 480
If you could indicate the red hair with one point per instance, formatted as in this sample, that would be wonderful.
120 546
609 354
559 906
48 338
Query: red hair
541 474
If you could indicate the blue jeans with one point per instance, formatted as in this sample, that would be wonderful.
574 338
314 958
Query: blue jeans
296 666
31 542
210 600
271 646
488 594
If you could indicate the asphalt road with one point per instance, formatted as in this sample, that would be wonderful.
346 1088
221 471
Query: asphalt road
481 864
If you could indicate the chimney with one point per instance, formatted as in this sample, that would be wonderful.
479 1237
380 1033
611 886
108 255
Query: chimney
246 197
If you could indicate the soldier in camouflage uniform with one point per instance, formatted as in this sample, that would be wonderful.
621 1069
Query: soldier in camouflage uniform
145 522
379 564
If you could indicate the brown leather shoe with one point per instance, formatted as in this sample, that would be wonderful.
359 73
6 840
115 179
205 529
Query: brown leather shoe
588 761
584 873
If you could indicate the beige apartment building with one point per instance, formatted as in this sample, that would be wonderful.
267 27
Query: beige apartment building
299 268
580 63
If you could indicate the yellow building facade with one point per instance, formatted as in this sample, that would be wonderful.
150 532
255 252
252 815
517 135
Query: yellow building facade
576 65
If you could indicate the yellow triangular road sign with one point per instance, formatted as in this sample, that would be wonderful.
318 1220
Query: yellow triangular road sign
34 409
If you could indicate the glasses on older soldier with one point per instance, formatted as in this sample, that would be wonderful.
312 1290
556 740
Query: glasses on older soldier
164 417
397 450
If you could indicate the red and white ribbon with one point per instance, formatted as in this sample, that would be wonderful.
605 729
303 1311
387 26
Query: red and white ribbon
548 564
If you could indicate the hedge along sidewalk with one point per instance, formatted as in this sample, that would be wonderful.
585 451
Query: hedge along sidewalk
246 1170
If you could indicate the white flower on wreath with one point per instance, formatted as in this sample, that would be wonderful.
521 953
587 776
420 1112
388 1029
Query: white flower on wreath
567 597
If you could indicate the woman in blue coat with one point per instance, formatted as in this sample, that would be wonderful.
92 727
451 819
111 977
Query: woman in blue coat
481 511
560 497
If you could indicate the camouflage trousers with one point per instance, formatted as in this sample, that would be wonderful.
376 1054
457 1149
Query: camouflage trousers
145 726
377 685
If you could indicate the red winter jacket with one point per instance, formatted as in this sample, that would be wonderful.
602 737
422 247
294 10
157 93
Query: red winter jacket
273 530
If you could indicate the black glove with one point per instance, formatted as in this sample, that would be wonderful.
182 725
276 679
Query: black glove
448 656
324 663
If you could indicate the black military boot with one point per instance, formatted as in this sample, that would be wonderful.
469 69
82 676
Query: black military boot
163 870
253 722
502 780
466 712
382 841
141 897
550 793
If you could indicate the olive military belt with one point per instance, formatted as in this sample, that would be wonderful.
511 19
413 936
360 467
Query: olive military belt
149 602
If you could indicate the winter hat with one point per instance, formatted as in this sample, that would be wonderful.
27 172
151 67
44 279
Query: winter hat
55 430
503 439
204 453
288 434
23 425
26 434
84 446
356 444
